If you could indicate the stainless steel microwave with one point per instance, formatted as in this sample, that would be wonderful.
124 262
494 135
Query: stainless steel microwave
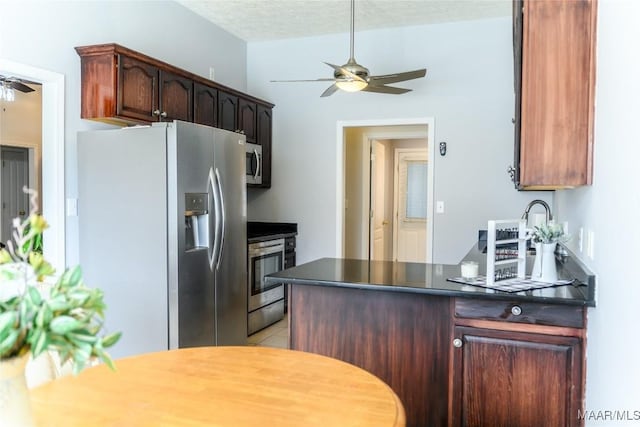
254 163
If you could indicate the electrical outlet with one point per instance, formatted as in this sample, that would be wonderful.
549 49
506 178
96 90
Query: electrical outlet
439 206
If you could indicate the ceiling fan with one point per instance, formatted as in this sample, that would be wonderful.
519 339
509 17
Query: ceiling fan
353 77
9 84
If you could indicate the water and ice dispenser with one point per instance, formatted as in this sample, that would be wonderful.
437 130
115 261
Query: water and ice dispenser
196 220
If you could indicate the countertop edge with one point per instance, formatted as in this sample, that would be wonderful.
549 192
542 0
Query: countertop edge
435 292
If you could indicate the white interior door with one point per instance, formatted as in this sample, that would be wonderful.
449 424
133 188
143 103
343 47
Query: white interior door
379 224
410 206
15 176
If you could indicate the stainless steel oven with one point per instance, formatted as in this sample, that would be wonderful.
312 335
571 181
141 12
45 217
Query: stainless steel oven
253 160
265 303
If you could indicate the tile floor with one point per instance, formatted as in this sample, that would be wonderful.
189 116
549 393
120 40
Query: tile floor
276 335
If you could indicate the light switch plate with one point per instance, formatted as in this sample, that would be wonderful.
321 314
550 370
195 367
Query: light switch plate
439 206
72 207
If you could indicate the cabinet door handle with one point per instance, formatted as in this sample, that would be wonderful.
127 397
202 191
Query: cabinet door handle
516 310
156 112
163 114
457 343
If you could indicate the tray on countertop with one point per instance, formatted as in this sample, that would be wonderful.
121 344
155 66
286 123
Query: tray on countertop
515 284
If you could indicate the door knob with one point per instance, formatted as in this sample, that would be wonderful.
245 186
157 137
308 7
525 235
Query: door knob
385 222
457 343
21 213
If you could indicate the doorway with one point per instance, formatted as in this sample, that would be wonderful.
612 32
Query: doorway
14 162
53 183
368 203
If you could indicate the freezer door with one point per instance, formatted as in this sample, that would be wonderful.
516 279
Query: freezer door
192 320
231 259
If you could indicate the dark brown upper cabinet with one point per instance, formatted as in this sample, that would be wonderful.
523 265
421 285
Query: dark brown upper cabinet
247 114
205 105
263 137
554 51
124 87
176 97
228 111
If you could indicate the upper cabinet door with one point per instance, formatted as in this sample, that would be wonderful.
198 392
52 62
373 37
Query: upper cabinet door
558 74
247 119
227 111
176 97
263 137
205 105
137 89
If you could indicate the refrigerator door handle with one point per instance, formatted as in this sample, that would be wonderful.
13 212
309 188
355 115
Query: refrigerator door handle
213 213
222 217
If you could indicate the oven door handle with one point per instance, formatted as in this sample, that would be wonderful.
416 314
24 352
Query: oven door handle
266 250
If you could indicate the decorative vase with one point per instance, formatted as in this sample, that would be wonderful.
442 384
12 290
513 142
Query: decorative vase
548 271
15 406
537 262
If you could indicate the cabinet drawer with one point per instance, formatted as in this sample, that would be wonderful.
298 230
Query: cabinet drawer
520 312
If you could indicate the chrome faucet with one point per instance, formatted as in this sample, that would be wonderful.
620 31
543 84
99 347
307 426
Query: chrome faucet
544 204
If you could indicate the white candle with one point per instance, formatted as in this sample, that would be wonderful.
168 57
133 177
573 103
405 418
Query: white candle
469 269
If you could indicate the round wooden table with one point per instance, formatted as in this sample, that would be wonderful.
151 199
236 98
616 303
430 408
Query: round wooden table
220 386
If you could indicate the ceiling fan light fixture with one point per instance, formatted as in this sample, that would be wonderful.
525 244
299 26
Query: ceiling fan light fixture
351 85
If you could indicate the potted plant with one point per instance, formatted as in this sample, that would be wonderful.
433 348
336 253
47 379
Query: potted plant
546 236
42 312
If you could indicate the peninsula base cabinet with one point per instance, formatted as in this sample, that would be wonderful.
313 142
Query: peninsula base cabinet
505 378
452 361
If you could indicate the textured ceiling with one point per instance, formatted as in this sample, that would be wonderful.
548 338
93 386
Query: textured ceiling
256 20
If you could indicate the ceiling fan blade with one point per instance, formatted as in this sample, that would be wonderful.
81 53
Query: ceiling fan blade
386 89
330 91
345 72
21 87
398 77
312 80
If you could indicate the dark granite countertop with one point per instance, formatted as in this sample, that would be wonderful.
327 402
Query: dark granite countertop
263 231
432 279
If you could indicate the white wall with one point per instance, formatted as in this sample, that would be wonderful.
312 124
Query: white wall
43 35
468 90
611 209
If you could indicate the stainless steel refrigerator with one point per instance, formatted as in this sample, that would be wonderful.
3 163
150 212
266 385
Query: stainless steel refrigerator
162 229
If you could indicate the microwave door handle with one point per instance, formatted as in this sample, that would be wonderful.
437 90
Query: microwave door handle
213 215
257 174
222 219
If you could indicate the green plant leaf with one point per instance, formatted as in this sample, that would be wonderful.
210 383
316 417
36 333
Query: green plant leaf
111 339
64 324
41 343
8 321
34 295
8 343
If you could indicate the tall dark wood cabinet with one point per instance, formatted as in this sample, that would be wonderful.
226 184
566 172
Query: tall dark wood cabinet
124 87
555 69
263 137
